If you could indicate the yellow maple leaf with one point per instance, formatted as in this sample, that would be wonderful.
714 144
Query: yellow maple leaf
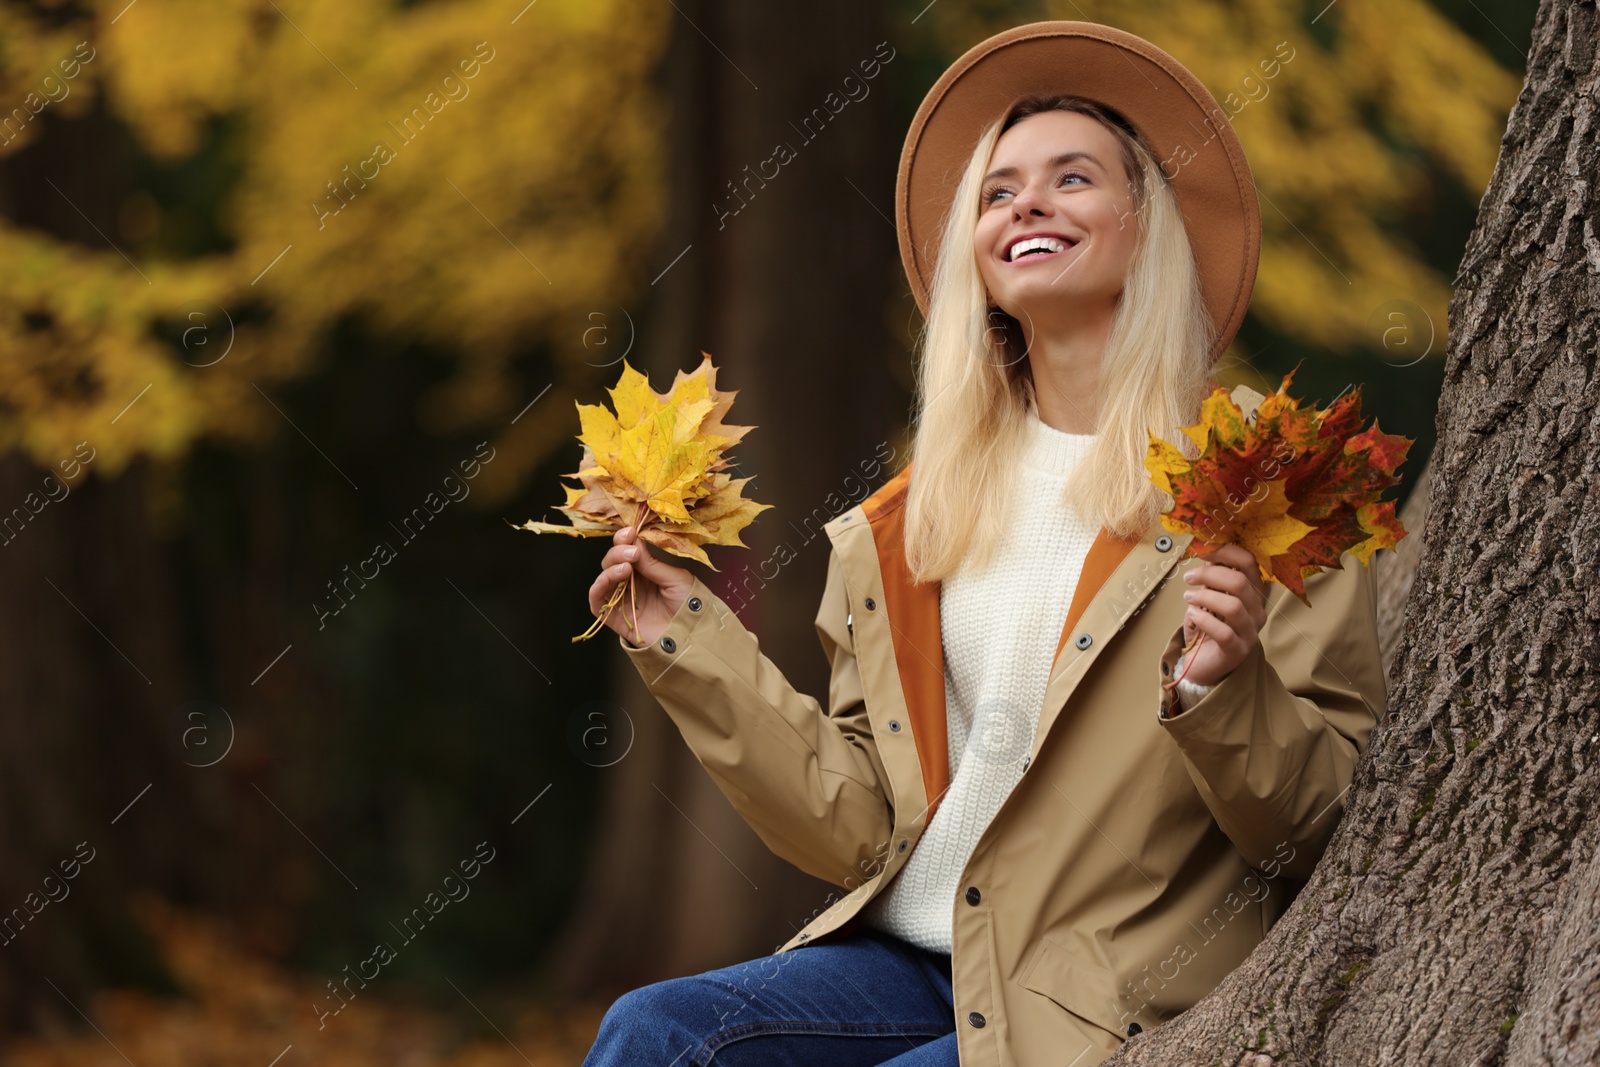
657 464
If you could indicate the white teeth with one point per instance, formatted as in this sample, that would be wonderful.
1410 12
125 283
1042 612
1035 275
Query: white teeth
1049 244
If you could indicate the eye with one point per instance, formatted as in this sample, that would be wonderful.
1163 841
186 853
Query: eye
991 193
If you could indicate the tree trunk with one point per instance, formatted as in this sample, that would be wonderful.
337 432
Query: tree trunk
1395 571
1455 917
784 282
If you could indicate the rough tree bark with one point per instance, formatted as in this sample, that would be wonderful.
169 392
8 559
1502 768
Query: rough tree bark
1395 571
1455 917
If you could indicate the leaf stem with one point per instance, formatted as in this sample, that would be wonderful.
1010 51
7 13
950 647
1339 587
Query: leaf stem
625 585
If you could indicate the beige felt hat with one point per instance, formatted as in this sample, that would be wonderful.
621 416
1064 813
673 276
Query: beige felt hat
1189 133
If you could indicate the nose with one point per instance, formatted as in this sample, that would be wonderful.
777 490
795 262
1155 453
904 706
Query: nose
1030 201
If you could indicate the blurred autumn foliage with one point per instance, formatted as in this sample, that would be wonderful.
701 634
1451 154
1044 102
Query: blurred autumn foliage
499 218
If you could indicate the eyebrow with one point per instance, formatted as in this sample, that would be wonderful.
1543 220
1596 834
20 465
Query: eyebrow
1054 161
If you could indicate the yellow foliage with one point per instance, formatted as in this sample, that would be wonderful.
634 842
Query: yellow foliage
521 191
659 465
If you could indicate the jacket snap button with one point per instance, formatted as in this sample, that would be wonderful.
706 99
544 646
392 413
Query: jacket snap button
1084 641
694 603
872 605
894 725
973 896
902 845
1162 544
1134 1028
1025 761
669 644
976 1019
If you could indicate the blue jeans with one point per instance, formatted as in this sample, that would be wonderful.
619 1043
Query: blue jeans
866 999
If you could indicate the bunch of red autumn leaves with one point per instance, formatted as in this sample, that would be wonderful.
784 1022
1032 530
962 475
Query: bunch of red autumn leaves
1297 487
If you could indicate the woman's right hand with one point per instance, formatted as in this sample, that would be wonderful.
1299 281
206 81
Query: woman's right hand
659 589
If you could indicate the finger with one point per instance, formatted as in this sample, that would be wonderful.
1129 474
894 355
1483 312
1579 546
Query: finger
622 553
1223 577
1250 567
1242 614
1224 606
1235 553
1211 626
643 560
605 585
599 593
1242 560
1232 581
652 567
1249 578
1243 583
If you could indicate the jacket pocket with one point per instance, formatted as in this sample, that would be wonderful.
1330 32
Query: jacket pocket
1083 988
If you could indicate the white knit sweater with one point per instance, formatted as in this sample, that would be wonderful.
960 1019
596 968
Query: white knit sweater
1000 627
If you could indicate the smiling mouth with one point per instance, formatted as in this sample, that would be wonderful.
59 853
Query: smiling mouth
1038 249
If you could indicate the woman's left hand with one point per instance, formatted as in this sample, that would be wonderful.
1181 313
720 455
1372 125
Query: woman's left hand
1227 603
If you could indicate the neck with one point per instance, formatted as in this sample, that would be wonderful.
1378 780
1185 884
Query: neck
1065 361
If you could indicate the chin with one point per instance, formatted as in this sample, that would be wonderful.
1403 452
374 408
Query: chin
1042 309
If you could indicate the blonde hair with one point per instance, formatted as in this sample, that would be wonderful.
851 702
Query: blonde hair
975 386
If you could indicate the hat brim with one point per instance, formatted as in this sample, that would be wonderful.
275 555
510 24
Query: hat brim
1190 134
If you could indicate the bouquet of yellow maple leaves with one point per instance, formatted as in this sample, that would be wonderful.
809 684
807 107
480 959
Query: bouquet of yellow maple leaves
1297 487
658 464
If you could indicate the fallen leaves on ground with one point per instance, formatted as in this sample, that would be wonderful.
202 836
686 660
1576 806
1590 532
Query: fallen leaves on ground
241 1009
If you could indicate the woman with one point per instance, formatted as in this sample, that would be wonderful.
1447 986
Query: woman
1045 847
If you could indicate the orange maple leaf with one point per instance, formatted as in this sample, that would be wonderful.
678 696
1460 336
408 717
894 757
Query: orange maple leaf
1296 487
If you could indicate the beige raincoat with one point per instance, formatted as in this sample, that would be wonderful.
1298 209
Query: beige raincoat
1138 860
